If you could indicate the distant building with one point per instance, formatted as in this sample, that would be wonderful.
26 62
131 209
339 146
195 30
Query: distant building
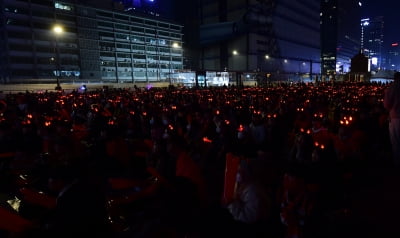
277 37
372 38
393 57
359 68
340 31
98 43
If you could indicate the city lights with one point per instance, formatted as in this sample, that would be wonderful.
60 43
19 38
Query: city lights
175 45
58 29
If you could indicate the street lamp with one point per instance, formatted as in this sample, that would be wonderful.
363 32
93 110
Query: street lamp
58 30
175 45
236 67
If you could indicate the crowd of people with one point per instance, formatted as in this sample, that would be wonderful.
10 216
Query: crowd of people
151 162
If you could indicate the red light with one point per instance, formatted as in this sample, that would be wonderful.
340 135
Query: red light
395 44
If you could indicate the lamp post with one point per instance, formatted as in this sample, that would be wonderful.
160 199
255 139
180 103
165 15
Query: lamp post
58 30
175 45
234 67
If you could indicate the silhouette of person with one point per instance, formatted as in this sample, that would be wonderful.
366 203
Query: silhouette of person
392 104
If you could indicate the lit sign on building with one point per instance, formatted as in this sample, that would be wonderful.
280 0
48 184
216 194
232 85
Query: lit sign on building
374 61
365 22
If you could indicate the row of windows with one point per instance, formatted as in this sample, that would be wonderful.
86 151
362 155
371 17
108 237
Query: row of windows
142 72
110 46
75 51
131 19
141 67
40 25
141 31
43 60
26 11
161 43
139 56
16 10
48 26
40 36
141 75
71 18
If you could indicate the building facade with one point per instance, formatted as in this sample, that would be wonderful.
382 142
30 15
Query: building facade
340 31
92 44
278 38
373 36
393 57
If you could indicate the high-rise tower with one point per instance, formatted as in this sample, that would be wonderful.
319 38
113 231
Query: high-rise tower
372 38
340 31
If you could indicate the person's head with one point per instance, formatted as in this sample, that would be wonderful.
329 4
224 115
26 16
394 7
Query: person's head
396 79
396 76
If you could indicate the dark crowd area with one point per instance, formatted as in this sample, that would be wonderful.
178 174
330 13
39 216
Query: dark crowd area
312 160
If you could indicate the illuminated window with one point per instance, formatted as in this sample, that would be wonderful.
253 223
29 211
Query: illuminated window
62 6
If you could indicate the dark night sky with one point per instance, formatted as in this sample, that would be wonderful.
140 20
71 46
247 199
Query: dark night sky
390 10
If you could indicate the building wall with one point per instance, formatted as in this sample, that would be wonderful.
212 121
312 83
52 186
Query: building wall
329 35
281 29
340 34
96 45
349 32
373 41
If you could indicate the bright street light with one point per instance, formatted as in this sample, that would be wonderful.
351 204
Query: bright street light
175 45
58 29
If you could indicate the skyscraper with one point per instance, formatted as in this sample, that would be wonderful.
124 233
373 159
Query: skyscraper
372 38
393 57
340 31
